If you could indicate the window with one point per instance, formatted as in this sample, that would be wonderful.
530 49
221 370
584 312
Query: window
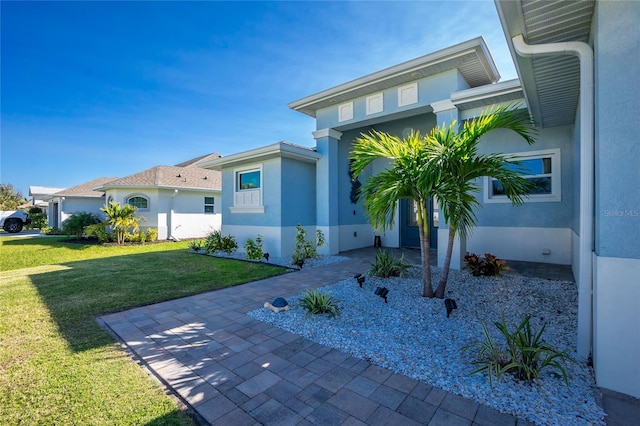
541 168
248 180
138 201
247 197
209 204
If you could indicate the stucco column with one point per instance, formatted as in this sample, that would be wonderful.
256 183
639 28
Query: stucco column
327 189
446 112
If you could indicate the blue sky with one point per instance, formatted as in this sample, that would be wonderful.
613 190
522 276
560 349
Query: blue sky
93 89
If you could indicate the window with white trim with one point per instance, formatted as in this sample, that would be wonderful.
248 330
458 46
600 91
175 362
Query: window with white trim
209 205
142 203
247 197
249 180
541 168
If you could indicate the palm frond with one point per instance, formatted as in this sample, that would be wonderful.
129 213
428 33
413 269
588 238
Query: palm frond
501 117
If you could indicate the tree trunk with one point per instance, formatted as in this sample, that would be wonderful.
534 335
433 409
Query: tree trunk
447 263
425 246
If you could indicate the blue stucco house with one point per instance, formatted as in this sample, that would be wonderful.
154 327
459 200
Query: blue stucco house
578 66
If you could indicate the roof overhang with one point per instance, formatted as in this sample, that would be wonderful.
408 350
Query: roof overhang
484 96
551 84
277 150
143 187
472 58
53 197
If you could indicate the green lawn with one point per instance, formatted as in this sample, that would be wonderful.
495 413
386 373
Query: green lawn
57 366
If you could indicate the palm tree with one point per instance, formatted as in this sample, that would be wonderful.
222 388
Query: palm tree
407 177
121 219
444 164
455 154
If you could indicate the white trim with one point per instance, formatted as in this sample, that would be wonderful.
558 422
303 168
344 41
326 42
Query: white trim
272 237
616 308
408 94
345 112
528 244
489 91
556 178
375 103
247 200
332 240
247 209
388 78
444 105
326 133
276 150
137 194
355 236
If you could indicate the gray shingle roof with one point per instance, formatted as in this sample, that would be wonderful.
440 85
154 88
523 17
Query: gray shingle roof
184 175
194 162
85 189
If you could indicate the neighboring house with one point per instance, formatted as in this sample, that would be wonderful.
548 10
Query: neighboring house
181 201
80 198
38 195
586 211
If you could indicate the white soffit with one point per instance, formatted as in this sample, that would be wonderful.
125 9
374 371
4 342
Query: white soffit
551 83
472 58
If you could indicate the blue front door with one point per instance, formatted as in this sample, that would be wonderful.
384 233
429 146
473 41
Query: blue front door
409 233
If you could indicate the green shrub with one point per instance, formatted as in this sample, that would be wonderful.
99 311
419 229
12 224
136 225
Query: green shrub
253 249
75 224
317 302
525 354
38 218
216 243
489 266
386 265
229 244
152 234
306 249
49 230
196 245
100 232
142 237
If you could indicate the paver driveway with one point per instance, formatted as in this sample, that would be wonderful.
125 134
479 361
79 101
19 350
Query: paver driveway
233 370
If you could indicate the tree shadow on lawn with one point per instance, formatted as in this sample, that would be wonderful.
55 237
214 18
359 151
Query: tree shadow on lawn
53 242
84 290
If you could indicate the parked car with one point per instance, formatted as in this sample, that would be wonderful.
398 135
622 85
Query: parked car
13 221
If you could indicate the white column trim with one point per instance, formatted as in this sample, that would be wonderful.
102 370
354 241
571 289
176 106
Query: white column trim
444 105
324 133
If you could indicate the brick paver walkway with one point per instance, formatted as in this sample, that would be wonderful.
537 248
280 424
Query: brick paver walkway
233 370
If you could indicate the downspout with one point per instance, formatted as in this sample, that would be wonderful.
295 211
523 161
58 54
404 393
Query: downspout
170 230
586 248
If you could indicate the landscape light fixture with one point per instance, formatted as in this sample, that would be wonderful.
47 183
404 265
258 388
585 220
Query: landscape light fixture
359 278
266 256
450 304
382 292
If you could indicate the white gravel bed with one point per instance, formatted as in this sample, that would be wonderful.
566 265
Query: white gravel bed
411 335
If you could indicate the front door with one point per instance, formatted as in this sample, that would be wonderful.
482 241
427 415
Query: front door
55 213
409 233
